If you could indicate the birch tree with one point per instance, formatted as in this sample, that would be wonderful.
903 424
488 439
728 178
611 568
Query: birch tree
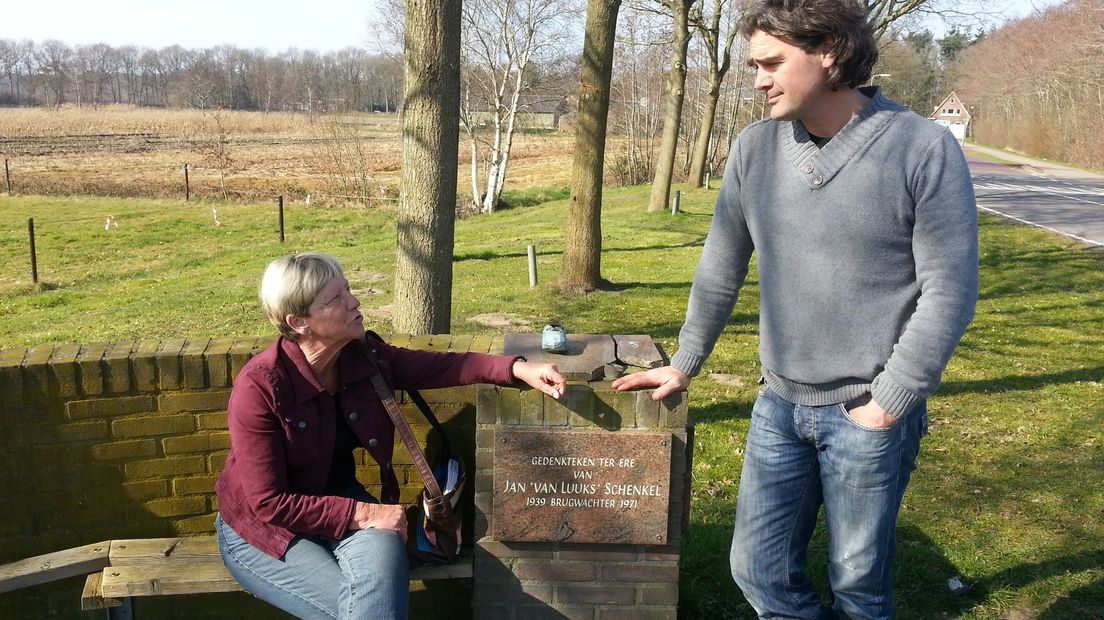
502 39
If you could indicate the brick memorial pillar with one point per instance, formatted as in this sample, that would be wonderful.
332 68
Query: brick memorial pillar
581 503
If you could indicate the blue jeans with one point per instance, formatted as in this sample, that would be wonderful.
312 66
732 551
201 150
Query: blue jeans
797 459
363 575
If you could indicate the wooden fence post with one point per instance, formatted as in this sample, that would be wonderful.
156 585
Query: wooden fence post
280 201
7 176
532 266
187 186
34 256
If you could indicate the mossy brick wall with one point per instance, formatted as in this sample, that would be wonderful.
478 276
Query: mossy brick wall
579 581
126 440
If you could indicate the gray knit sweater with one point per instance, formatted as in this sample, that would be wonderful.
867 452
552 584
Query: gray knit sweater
867 255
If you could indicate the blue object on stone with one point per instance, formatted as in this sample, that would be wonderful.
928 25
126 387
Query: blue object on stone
554 338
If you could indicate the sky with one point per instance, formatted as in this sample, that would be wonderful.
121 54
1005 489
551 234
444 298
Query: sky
319 25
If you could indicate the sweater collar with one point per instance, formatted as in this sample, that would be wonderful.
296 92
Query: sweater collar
818 166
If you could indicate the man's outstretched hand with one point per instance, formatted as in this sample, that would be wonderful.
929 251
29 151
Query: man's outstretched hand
667 380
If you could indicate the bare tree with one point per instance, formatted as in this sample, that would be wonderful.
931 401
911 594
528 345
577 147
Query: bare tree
53 61
431 134
582 261
885 15
636 108
9 66
675 96
718 29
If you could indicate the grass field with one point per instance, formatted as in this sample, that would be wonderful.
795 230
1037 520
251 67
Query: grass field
1010 490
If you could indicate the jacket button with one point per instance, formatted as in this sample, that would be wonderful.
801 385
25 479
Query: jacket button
808 169
353 416
818 180
373 442
302 424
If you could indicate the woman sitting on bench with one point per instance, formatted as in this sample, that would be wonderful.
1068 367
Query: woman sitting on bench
295 527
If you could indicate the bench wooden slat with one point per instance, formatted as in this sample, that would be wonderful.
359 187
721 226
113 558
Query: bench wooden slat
53 566
92 596
156 580
119 569
153 551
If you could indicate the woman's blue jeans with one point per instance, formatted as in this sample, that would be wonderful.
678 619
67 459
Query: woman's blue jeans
797 459
363 575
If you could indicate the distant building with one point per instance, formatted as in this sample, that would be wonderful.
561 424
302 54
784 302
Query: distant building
952 113
535 111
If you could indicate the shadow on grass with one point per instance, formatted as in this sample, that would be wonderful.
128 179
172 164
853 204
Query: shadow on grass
1010 383
1084 602
921 574
920 584
1016 270
735 409
706 589
496 254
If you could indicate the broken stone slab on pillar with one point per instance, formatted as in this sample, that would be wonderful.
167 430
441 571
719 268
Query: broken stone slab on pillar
589 357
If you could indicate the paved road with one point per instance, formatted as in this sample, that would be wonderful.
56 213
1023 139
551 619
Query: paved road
1062 200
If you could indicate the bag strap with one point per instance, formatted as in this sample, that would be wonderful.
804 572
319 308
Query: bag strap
433 490
432 419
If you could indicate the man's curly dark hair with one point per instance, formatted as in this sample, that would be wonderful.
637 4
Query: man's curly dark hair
839 25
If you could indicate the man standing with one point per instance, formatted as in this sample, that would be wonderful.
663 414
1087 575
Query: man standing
863 220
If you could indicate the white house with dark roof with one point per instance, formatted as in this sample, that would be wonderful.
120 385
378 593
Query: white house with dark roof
952 113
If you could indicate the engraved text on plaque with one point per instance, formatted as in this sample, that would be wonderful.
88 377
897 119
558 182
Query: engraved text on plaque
592 487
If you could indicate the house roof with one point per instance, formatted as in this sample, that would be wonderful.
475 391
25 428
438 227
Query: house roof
951 101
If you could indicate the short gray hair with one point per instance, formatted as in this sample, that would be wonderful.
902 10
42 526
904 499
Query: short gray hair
290 285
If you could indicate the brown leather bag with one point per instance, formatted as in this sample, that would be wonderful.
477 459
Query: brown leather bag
436 520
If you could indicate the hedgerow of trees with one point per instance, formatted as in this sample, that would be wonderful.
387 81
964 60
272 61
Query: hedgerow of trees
1037 84
53 73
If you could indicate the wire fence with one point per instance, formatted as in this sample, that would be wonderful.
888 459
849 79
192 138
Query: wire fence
372 194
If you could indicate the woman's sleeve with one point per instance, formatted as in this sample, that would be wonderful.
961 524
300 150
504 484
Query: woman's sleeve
427 370
257 443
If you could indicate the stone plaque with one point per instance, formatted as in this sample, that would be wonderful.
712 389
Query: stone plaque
588 487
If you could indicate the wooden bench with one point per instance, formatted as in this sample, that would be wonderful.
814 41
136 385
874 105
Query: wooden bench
118 570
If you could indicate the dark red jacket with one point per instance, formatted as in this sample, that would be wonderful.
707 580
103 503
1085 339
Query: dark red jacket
282 434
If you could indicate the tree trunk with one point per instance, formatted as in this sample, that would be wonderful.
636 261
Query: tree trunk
582 261
672 112
431 134
705 132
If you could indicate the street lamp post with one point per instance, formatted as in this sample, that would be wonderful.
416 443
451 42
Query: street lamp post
870 82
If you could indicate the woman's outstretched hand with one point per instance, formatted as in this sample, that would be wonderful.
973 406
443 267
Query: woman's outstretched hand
543 377
666 380
380 516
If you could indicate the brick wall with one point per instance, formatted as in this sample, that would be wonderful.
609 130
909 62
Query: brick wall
126 440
